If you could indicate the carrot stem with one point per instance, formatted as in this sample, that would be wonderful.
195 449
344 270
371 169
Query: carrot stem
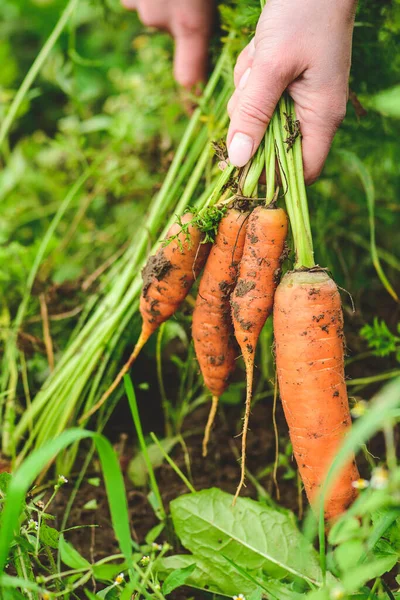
254 172
291 167
269 165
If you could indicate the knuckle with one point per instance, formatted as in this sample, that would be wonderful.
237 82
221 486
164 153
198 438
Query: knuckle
147 17
188 25
253 113
339 113
334 109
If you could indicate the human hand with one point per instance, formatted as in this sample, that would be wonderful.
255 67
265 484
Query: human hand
189 22
304 47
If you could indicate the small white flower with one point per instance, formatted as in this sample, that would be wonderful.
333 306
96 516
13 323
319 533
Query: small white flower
157 547
62 480
360 484
144 560
119 579
380 478
337 593
359 409
239 597
33 524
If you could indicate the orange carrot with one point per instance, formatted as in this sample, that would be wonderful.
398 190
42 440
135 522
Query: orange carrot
167 278
212 326
309 345
169 275
253 296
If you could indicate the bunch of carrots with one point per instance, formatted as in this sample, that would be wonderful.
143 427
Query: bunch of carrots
241 286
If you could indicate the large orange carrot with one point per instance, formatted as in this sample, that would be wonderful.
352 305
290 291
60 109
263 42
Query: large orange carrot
212 325
167 278
309 347
253 296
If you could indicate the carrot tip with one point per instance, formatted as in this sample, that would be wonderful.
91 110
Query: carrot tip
125 369
210 421
249 390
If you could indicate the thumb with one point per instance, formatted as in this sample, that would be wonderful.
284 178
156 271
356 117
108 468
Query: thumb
254 107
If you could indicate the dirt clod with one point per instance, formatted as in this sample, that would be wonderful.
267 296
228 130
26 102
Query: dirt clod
156 268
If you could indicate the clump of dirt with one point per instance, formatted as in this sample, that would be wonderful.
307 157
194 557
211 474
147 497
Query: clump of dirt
244 287
156 268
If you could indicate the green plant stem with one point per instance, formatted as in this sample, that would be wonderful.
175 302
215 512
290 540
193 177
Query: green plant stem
173 464
253 174
296 194
139 431
269 165
166 407
34 70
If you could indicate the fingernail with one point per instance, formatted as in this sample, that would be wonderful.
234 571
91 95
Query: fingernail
252 48
244 78
240 149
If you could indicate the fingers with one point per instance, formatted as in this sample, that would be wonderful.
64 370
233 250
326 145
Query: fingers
191 27
129 4
190 60
251 107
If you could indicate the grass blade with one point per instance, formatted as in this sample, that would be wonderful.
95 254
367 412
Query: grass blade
130 392
368 185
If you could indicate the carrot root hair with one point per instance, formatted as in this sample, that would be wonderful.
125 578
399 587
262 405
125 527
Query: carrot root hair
125 369
249 388
210 422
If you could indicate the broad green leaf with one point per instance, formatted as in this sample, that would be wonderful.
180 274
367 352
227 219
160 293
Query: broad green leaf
386 524
137 469
226 583
177 578
348 554
49 536
273 587
70 556
344 529
386 102
254 536
358 576
108 572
